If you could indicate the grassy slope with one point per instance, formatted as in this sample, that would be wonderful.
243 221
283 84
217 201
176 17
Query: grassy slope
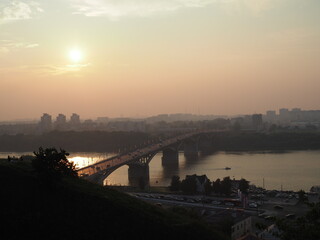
76 209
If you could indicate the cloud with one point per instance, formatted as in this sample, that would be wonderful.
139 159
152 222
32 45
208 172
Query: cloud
51 69
47 69
7 46
114 9
18 10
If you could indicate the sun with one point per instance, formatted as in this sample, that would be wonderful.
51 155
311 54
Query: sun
75 55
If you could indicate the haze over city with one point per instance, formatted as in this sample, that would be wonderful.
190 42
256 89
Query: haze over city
143 58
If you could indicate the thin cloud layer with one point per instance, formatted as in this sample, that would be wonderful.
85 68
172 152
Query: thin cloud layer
115 9
7 46
18 10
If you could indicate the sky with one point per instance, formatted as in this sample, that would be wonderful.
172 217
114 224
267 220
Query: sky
138 58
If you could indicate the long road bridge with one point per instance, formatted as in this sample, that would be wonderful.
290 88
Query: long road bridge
138 160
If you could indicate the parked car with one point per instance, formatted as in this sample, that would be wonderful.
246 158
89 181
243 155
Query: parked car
229 204
290 215
278 207
253 205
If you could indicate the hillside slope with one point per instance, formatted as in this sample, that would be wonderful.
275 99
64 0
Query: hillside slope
76 209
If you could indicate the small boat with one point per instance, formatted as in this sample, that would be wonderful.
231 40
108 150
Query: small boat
227 168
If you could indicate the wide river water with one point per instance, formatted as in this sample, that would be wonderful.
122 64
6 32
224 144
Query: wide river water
293 170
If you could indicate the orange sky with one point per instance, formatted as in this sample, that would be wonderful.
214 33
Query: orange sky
142 58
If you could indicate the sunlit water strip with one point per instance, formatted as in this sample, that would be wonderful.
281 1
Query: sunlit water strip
80 159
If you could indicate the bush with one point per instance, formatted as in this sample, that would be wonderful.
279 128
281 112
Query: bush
51 164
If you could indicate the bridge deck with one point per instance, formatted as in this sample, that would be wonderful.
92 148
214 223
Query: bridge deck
122 159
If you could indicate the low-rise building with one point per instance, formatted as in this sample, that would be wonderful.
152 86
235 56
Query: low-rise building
239 221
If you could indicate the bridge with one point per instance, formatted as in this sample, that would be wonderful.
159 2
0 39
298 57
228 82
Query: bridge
139 159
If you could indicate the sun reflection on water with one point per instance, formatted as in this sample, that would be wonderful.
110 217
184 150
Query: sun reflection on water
84 159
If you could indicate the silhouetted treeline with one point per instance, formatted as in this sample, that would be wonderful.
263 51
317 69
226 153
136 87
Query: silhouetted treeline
243 141
75 141
100 141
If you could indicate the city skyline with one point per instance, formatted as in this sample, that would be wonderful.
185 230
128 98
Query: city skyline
143 58
271 113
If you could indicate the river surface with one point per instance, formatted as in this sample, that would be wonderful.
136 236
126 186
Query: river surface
292 170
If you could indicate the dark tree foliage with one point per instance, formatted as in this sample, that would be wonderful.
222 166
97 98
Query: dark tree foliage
189 185
208 187
52 165
226 186
243 185
302 196
216 186
175 183
303 228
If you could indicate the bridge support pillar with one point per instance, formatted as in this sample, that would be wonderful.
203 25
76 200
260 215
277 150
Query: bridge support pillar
191 148
170 157
138 174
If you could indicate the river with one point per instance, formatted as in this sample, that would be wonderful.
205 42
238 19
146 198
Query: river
292 170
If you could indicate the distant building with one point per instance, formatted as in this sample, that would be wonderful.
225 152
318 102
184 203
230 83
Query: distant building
61 122
75 119
296 115
241 223
45 124
102 120
284 115
270 233
271 116
315 189
61 118
257 120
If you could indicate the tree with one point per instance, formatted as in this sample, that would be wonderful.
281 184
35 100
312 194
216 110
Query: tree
175 183
51 164
306 227
302 196
216 186
226 186
208 187
189 185
243 185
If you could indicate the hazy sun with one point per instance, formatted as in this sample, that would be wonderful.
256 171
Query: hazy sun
75 55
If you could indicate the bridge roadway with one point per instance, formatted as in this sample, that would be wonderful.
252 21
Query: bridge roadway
107 166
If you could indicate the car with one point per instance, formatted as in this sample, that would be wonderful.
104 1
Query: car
278 207
253 205
269 218
262 215
290 215
229 204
